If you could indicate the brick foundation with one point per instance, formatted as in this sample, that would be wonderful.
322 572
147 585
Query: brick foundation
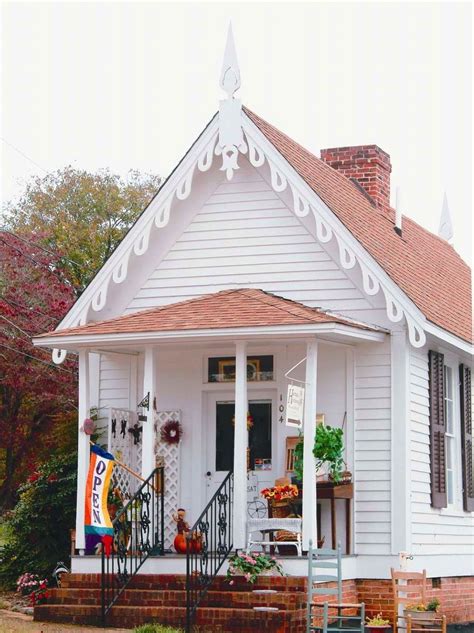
456 596
228 608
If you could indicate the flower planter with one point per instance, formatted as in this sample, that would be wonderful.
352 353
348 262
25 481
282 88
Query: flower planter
420 615
377 628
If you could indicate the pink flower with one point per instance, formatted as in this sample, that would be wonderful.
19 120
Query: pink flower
247 577
231 582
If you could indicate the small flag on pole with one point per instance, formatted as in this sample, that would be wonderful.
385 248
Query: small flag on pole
97 519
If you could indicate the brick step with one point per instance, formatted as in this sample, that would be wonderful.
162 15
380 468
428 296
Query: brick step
178 582
215 620
177 598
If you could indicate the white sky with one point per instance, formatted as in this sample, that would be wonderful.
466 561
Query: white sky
130 85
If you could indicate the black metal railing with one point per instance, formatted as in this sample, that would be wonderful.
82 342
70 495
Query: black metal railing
138 533
208 544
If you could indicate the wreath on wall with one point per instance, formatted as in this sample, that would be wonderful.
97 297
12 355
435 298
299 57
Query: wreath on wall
171 432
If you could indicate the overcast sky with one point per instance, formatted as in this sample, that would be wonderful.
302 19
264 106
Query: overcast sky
130 85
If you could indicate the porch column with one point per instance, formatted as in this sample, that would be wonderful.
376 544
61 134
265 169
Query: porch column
309 463
148 435
240 446
83 449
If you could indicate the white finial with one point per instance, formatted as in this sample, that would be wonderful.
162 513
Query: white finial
445 231
231 138
398 211
230 73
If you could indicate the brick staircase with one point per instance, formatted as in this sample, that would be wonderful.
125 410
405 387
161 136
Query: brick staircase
162 598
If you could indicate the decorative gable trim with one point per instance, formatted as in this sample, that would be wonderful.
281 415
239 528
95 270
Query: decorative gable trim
282 175
176 187
306 201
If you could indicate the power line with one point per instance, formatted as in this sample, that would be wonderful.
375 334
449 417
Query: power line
23 154
28 309
28 256
37 359
41 247
17 326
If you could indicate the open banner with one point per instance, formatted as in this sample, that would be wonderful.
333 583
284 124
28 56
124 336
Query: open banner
97 519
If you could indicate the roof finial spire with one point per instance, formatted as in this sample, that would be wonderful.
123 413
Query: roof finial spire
230 73
231 138
398 211
446 231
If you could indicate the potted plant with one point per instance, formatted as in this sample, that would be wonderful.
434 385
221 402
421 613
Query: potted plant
423 611
328 449
377 624
251 566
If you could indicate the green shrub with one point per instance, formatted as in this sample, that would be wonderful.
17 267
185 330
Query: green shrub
156 628
38 527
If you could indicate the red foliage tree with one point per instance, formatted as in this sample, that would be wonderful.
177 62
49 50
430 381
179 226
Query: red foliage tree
34 296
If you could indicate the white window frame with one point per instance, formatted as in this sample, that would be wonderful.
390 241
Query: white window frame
453 440
450 422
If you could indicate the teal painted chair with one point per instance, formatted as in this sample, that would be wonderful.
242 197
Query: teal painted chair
330 617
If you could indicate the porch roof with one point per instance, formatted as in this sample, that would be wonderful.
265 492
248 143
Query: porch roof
240 310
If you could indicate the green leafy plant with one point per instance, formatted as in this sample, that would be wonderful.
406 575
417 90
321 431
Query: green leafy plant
328 448
39 525
251 566
433 605
377 620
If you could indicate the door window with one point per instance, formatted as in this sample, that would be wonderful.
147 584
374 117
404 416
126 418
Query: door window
260 434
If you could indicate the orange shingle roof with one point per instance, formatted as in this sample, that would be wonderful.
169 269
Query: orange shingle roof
423 265
244 307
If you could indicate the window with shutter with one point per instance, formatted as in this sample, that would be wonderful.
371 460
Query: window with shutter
437 430
466 438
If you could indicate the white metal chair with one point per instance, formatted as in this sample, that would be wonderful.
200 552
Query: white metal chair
267 526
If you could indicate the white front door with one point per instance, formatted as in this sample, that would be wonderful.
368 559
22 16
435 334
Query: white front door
220 441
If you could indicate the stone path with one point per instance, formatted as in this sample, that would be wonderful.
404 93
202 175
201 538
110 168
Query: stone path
13 622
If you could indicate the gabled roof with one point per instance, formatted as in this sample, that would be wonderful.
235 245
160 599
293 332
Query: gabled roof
244 307
423 265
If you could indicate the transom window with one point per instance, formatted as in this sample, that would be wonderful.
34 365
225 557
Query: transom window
222 369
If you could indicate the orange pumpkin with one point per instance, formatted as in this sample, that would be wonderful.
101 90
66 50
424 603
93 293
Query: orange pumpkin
180 543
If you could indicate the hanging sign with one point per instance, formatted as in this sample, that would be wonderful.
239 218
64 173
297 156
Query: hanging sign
295 406
97 519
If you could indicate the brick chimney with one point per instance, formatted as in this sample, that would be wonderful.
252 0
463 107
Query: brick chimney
368 164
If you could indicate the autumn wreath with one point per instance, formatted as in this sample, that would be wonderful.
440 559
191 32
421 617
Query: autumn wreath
171 432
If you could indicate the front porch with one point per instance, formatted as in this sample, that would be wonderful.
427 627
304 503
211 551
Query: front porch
220 366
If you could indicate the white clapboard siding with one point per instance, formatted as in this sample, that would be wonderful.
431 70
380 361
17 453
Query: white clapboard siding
372 416
245 236
115 381
434 531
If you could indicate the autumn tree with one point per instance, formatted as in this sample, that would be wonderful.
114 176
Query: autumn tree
34 295
80 216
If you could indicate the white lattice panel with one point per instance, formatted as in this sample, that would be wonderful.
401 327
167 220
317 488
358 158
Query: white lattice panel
121 445
168 455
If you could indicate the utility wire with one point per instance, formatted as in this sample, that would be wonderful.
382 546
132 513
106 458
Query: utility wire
41 247
27 256
23 154
37 359
28 309
17 326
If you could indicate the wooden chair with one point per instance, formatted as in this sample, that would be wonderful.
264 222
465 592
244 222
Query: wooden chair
426 625
338 619
403 594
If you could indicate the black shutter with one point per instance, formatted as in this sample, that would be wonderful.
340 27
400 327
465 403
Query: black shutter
439 498
466 438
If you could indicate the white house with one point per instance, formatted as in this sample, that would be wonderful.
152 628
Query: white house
256 251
